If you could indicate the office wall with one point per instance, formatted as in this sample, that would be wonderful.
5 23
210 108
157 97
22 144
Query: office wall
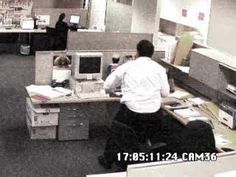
55 12
58 3
129 2
97 14
104 40
146 17
44 3
222 26
69 4
172 11
118 17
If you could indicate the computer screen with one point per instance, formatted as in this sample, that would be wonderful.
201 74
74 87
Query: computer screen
74 19
89 65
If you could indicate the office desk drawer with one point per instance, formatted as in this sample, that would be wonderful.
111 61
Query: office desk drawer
72 120
74 111
74 130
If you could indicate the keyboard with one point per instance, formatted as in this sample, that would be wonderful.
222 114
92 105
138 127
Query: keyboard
92 95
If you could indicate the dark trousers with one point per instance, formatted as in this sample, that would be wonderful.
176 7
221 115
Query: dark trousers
145 125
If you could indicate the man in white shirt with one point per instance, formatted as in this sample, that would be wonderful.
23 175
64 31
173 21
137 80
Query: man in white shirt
143 82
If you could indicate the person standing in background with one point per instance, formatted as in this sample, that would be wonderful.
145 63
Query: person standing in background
61 28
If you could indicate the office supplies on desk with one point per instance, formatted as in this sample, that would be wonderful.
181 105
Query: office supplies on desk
176 105
59 75
27 24
231 88
197 100
179 94
45 91
100 94
227 115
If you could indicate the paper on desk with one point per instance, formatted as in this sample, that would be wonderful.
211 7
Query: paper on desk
60 75
63 90
179 94
44 91
221 141
226 174
184 69
197 100
186 113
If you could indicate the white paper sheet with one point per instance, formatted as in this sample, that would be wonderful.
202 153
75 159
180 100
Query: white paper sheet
44 91
186 113
179 94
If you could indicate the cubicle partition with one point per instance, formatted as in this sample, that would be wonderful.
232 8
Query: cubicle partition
44 61
104 40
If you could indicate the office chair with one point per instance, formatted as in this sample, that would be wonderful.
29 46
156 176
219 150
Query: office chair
126 140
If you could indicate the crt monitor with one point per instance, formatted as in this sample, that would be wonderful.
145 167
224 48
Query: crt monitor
87 65
74 19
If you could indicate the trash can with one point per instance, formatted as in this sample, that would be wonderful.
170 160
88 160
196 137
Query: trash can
24 49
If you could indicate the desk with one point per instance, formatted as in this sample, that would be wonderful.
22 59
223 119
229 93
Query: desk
19 30
73 110
28 38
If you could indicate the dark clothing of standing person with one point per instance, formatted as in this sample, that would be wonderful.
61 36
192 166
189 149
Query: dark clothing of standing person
61 29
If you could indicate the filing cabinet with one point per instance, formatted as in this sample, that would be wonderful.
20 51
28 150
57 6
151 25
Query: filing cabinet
74 122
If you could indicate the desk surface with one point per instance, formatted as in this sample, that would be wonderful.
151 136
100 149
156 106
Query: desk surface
19 30
220 129
73 100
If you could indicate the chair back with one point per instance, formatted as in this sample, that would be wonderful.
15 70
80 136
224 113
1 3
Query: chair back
125 137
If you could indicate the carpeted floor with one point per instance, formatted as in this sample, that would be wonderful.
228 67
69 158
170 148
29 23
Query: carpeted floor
22 157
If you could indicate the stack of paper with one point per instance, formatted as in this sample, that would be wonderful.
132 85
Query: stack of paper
45 91
186 113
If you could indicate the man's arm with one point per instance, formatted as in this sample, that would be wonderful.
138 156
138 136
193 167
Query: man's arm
114 80
165 88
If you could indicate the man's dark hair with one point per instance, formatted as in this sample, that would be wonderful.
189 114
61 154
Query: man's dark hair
145 48
61 17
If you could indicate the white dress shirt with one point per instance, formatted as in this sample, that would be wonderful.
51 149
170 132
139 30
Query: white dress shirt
143 82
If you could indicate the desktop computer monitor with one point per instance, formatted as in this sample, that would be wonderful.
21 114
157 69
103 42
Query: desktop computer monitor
87 65
75 19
